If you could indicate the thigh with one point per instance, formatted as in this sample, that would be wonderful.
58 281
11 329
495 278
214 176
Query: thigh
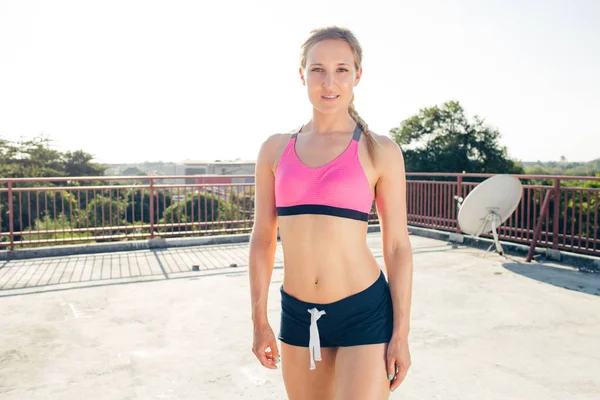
360 373
300 382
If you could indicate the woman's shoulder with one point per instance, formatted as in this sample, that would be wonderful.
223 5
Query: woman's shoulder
387 150
385 143
389 157
276 141
274 145
383 140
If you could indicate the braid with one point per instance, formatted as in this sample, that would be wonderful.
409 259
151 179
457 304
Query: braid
371 141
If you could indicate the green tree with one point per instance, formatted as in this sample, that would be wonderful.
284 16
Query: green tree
79 163
203 211
36 158
442 139
138 203
43 228
197 207
106 212
590 168
7 155
36 205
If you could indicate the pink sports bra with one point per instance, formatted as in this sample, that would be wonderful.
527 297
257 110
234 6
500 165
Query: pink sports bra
339 188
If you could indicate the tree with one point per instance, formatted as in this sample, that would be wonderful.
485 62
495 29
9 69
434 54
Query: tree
197 207
442 139
138 204
79 163
36 158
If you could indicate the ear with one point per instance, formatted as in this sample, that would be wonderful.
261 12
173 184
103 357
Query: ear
358 76
301 72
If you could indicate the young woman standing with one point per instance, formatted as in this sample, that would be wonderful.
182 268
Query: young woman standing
344 324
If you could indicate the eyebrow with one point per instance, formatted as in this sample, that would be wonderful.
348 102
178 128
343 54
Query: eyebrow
319 64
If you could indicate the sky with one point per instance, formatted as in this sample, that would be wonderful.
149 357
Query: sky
142 80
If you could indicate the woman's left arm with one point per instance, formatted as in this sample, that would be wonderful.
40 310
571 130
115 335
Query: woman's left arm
397 251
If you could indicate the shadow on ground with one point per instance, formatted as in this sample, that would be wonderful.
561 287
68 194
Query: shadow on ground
563 277
21 277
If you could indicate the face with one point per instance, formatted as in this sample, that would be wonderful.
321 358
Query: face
330 75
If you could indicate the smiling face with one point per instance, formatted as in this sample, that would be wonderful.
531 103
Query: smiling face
330 75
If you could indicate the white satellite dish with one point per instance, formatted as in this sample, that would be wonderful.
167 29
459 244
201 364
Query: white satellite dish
489 205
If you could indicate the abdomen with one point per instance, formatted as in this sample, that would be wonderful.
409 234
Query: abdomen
325 258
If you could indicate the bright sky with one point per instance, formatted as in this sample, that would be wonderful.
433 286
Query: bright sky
144 80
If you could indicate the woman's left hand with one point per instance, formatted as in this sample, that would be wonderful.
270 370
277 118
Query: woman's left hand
398 360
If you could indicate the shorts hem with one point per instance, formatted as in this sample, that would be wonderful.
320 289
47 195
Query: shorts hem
292 343
349 344
366 342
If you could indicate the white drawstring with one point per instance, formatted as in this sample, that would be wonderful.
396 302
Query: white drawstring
314 342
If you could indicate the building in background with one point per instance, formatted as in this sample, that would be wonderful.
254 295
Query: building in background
148 168
219 171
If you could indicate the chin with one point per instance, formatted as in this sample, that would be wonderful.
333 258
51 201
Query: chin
326 108
329 110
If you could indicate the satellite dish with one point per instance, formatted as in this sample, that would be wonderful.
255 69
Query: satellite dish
489 205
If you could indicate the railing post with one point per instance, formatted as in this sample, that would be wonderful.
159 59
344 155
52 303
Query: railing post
556 216
459 194
538 229
11 222
151 208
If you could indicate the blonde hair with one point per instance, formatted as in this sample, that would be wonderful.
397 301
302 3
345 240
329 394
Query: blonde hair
335 32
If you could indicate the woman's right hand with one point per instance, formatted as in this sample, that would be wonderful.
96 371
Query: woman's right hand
264 346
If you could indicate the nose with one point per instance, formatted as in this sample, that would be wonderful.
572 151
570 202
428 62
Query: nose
328 80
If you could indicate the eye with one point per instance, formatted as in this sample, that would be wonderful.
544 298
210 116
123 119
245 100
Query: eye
343 69
316 70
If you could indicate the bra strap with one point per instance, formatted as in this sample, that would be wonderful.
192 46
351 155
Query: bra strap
297 131
357 132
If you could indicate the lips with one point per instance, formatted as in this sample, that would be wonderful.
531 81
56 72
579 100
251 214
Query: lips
333 97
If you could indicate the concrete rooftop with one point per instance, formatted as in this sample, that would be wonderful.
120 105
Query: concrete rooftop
143 325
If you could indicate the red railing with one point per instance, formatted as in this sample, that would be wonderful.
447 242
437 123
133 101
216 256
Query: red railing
555 211
552 212
45 211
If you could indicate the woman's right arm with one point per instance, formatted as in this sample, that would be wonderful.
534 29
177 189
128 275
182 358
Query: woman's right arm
263 241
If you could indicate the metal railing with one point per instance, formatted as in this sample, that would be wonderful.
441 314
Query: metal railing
46 211
552 212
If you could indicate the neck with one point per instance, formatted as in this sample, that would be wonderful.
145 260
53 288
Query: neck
329 123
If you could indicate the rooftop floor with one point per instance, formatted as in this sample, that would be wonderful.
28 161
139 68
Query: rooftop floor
144 325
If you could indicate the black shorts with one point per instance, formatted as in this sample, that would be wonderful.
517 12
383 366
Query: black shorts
363 318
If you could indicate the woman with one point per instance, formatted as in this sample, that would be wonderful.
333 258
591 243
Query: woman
317 185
